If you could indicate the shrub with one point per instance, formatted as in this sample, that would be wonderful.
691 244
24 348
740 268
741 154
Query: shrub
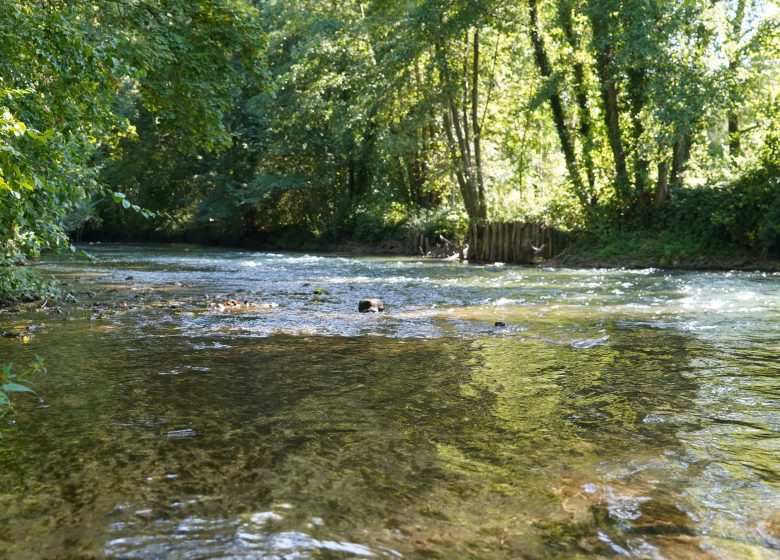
748 210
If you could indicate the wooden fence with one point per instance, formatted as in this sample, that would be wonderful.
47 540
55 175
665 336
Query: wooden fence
514 242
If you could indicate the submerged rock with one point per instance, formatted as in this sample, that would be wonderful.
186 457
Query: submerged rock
370 306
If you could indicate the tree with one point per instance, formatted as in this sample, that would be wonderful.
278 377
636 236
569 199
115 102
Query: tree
65 69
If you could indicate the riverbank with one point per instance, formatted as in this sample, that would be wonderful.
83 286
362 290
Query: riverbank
614 250
663 249
586 255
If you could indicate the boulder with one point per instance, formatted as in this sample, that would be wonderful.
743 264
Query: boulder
370 306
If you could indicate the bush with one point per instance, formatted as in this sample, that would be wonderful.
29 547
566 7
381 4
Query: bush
748 210
379 223
21 284
450 222
743 213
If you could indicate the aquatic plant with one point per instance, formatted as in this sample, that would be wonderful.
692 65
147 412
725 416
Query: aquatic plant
12 383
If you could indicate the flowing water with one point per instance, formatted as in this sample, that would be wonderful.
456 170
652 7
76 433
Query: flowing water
205 403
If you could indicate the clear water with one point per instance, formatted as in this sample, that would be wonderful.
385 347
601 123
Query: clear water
205 403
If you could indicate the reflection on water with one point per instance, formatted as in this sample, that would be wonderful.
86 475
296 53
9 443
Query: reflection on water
618 413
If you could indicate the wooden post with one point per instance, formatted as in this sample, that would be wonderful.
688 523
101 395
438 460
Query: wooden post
501 240
512 241
497 242
508 241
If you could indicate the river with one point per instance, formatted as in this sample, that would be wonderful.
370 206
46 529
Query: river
211 403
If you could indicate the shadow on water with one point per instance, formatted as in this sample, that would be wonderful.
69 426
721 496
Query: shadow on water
649 442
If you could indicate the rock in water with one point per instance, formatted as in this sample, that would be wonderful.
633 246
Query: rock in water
500 324
370 306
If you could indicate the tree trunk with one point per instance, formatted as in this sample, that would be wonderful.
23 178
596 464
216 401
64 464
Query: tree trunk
475 120
559 118
351 178
733 118
611 108
581 95
680 155
636 80
662 186
464 148
465 189
733 122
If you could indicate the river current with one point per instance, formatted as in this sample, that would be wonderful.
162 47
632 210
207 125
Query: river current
210 403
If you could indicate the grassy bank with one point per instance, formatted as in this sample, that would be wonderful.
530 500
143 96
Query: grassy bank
663 250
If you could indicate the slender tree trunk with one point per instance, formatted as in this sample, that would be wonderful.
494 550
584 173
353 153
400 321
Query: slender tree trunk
463 146
559 118
636 80
460 141
609 99
464 104
662 185
456 155
735 147
363 173
733 122
680 155
581 95
351 178
475 121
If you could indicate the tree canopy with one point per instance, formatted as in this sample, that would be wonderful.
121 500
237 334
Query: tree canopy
237 119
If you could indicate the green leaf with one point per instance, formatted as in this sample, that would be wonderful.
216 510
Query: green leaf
12 387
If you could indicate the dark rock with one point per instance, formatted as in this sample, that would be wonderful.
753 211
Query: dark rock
321 292
370 306
500 324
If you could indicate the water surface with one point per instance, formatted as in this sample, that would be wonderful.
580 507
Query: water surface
205 403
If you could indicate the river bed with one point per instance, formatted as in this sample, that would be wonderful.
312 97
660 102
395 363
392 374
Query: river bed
212 403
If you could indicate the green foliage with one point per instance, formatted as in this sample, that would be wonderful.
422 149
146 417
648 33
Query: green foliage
11 383
452 223
21 284
665 248
375 225
55 104
747 211
234 121
73 77
699 226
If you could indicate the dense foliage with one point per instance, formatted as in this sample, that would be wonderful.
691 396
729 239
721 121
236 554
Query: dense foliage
72 75
243 121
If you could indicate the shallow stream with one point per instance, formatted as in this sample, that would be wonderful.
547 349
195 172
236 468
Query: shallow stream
208 403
